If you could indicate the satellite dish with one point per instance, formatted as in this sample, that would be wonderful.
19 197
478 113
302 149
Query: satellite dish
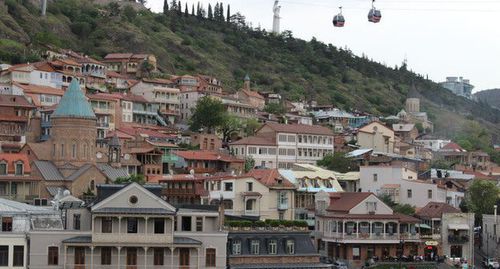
66 193
191 172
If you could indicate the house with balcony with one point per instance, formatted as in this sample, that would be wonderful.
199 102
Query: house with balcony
129 64
69 70
308 180
18 219
457 233
38 73
15 116
260 245
40 96
16 181
258 195
282 145
238 108
162 93
130 226
207 162
358 226
184 189
431 230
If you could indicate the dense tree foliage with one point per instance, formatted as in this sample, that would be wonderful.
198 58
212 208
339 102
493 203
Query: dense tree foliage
139 179
482 195
208 115
338 163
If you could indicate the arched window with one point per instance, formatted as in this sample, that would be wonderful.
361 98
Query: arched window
62 150
73 151
92 185
85 151
3 168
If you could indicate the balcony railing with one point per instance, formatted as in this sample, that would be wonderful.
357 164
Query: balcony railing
102 124
127 238
169 158
282 206
373 236
458 239
46 124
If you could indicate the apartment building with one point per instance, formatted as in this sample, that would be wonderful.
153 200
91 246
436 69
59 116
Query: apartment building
357 226
491 236
376 136
281 145
132 227
162 93
16 181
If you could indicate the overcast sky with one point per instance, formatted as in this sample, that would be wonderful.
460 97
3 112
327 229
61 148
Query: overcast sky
439 38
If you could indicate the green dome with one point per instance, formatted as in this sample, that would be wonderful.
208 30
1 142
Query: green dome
74 104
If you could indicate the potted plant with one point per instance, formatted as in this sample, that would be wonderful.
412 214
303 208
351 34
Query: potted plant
260 225
247 225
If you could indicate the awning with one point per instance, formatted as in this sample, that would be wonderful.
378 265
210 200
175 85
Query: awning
423 225
458 227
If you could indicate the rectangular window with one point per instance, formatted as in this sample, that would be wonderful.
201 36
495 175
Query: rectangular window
236 249
158 256
290 247
210 257
228 186
271 151
282 152
249 186
186 224
19 169
7 224
18 259
255 247
132 225
282 138
375 177
4 255
429 194
291 152
3 169
409 193
106 256
199 224
273 247
107 225
53 256
76 221
355 253
291 138
159 226
252 150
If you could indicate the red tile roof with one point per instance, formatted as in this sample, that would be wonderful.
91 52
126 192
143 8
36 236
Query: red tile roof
37 89
118 56
205 155
299 129
15 101
436 210
270 178
345 201
104 96
256 140
12 159
252 94
157 81
453 147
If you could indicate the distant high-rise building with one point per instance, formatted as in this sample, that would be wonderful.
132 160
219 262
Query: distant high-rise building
459 86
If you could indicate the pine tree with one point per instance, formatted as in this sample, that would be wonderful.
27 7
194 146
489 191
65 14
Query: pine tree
179 7
228 16
165 6
210 13
186 10
198 11
221 12
192 11
216 12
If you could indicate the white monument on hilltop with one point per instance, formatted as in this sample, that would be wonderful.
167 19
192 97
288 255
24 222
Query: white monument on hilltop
276 19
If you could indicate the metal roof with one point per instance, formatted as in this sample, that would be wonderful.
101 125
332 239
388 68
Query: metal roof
53 190
48 170
79 239
186 241
9 206
74 104
111 172
79 172
126 210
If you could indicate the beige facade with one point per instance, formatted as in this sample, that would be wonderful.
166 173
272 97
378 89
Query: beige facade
376 136
247 196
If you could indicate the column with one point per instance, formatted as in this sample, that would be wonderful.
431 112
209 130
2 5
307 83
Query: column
357 229
119 225
384 231
370 230
65 254
91 257
146 225
119 255
172 249
145 257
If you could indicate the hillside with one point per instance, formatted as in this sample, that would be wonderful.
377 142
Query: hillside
295 68
490 97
